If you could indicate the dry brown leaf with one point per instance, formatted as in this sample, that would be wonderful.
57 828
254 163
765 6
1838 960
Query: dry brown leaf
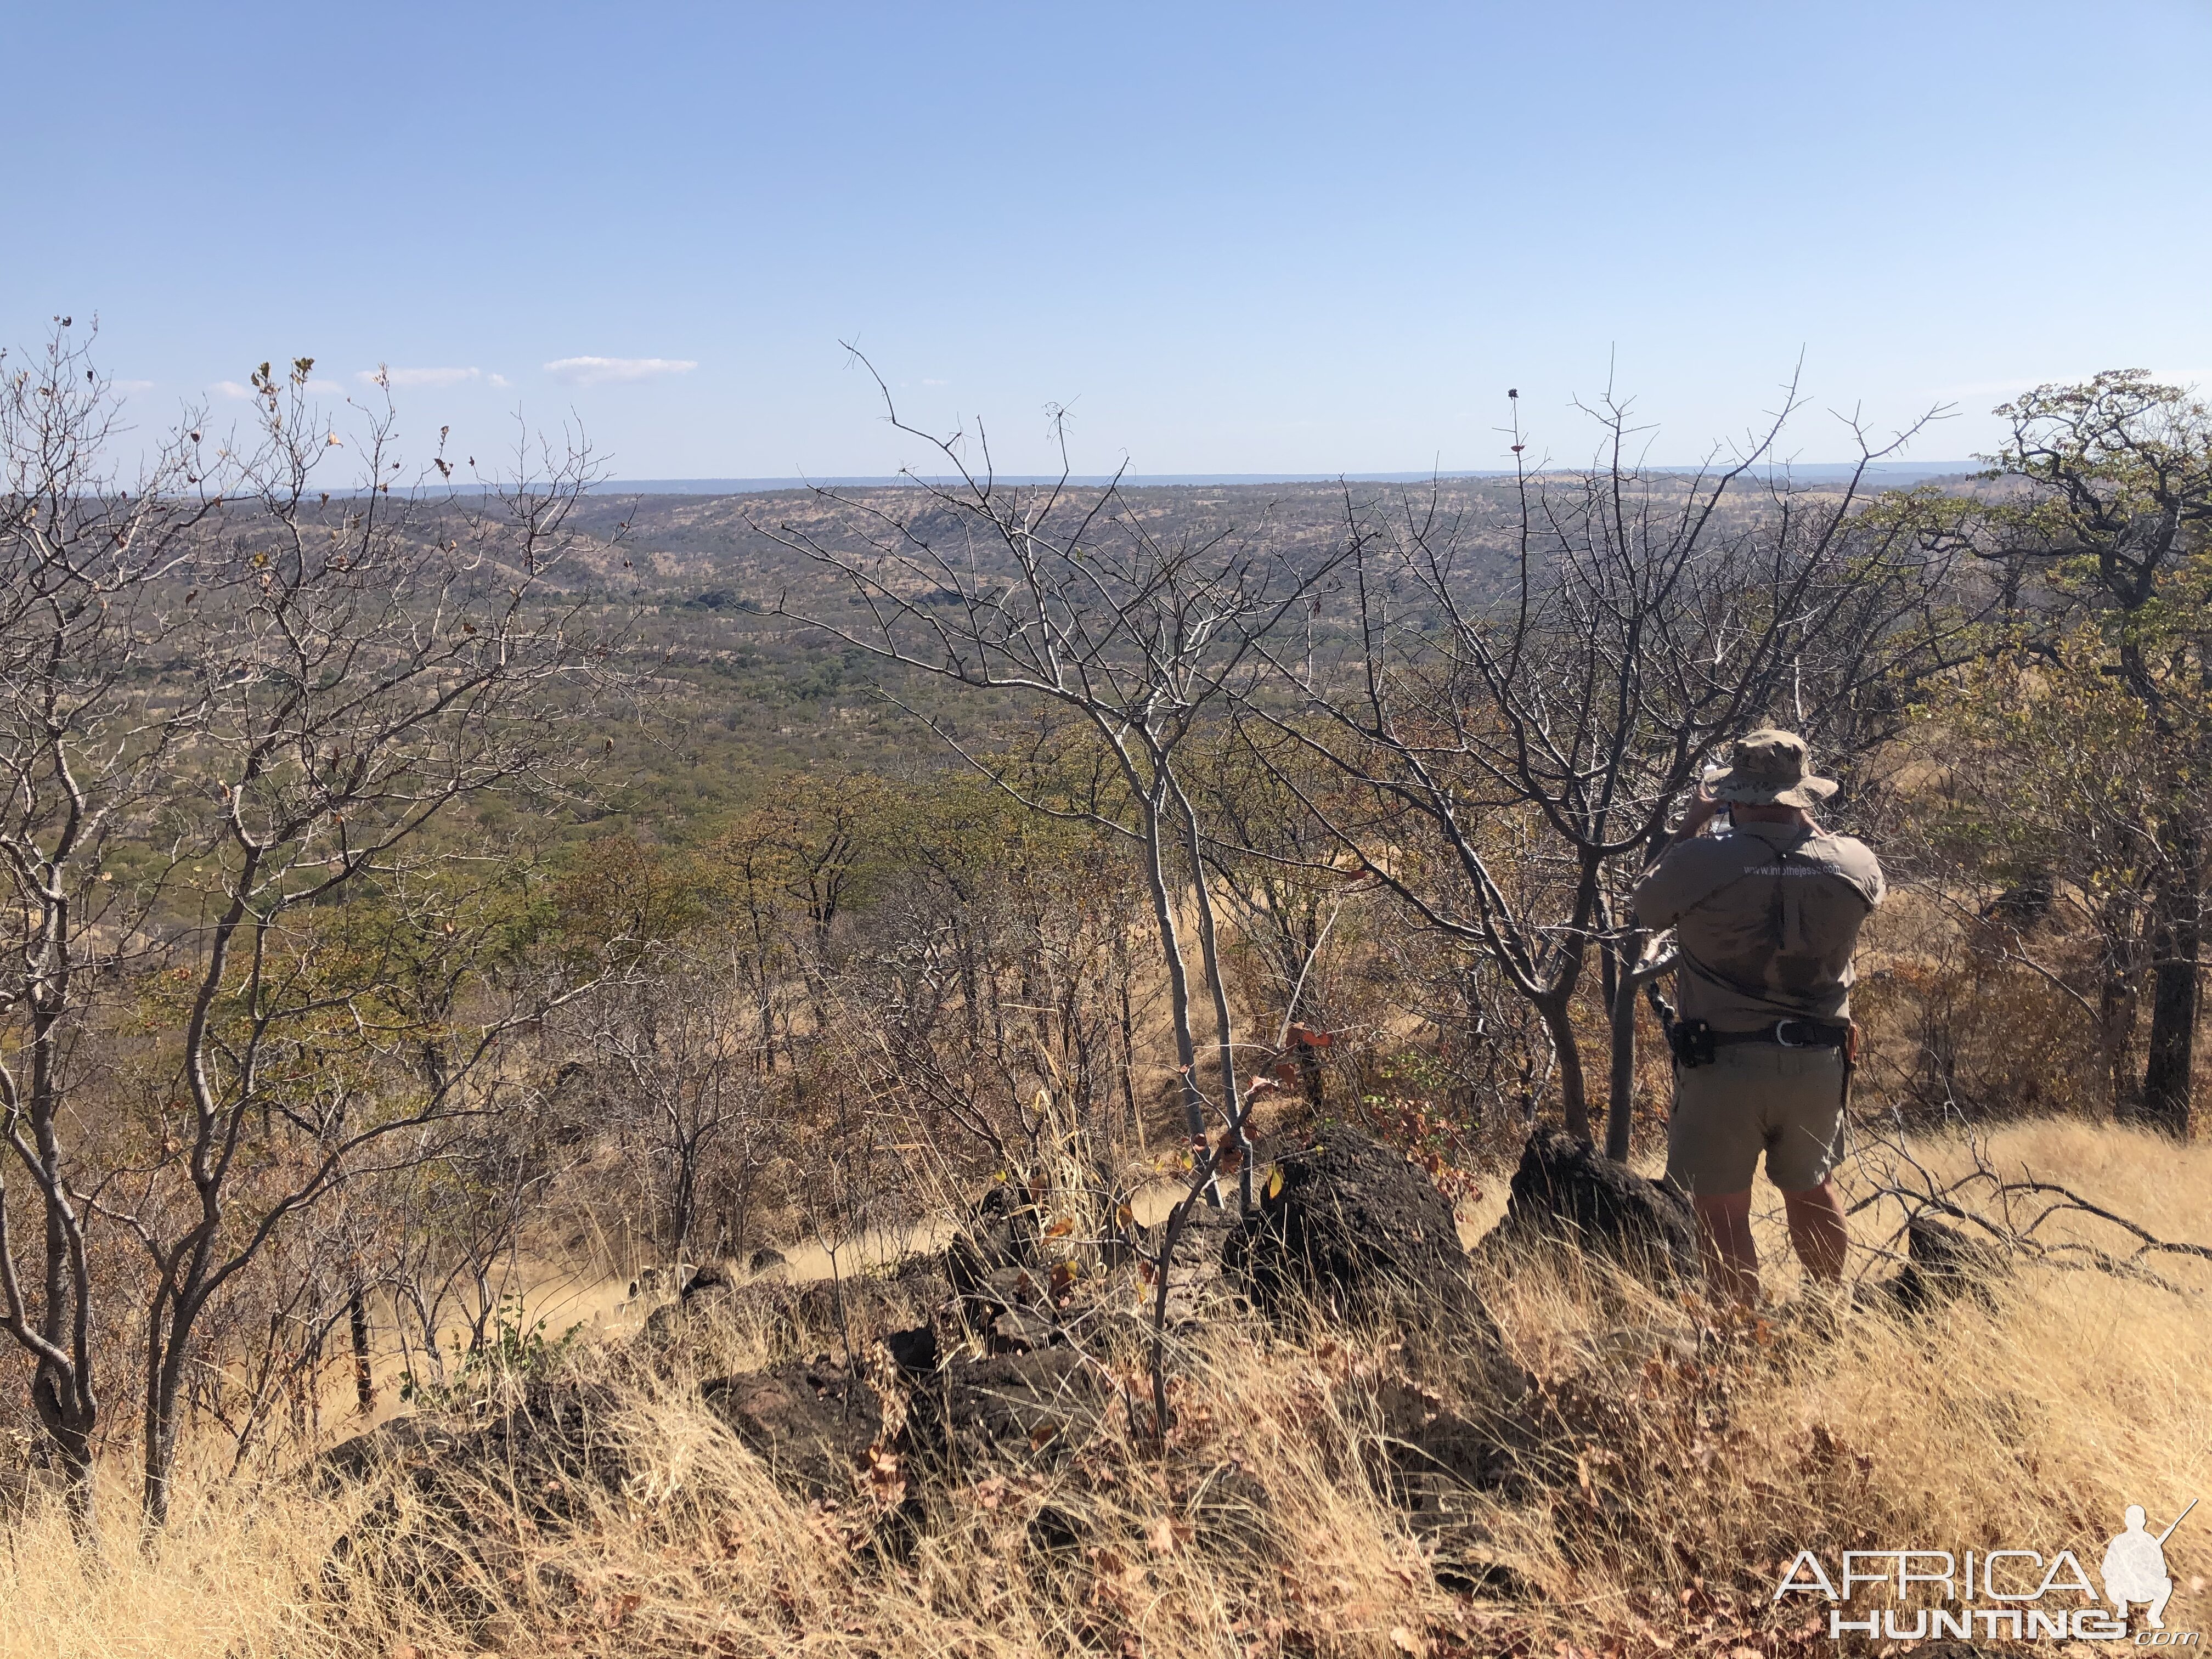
1167 1535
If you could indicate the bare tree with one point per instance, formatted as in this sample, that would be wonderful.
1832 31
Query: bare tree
91 580
1519 728
675 1054
1063 597
237 701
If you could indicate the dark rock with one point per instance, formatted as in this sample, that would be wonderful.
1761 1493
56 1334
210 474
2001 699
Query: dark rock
1354 1226
1202 1248
913 1352
480 1485
1000 1237
807 1317
1004 1413
809 1421
1348 1223
388 1447
537 1449
1942 1264
712 1277
1568 1191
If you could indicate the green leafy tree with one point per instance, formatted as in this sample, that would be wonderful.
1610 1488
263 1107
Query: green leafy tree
2103 545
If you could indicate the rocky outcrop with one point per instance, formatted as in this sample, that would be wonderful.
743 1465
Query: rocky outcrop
542 1453
1942 1264
1567 1191
1352 1228
810 1421
1001 1277
455 1494
1007 1412
1349 1226
805 1318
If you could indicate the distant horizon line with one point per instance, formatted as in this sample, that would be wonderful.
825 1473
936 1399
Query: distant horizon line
1812 471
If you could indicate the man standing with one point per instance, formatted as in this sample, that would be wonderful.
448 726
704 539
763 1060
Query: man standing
1767 917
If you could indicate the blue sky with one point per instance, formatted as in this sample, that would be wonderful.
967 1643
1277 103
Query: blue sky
1229 238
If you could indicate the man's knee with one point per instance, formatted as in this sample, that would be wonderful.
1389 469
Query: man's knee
1821 1195
1721 1209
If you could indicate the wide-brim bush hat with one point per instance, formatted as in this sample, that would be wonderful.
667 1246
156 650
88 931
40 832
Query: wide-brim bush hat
1769 767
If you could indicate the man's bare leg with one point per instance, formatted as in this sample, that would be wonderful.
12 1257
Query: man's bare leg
1818 1229
1725 1238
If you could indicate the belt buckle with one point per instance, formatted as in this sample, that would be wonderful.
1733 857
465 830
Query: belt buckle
1780 1025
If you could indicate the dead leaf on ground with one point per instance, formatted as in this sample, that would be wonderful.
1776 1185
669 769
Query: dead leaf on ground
1167 1535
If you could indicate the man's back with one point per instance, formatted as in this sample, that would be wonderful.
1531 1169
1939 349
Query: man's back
1767 917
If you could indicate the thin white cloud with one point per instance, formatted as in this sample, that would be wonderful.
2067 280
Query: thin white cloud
608 371
498 379
318 388
406 377
130 387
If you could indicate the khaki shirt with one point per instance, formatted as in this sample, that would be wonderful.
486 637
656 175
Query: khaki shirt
1767 916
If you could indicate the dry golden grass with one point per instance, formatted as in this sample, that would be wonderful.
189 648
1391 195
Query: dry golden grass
1689 1469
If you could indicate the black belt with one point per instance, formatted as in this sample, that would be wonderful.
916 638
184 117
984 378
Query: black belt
1693 1041
1789 1034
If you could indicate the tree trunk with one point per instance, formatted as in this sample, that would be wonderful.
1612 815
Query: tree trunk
168 1349
164 1371
1621 1092
364 1379
69 1425
1194 1103
1574 1094
2116 1033
2169 1074
1639 968
1128 1024
687 1172
161 1452
1232 1102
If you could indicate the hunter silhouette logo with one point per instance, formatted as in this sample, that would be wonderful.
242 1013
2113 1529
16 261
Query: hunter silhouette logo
2135 1565
2015 1595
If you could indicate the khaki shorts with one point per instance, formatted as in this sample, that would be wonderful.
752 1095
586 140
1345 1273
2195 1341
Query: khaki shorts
1754 1097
